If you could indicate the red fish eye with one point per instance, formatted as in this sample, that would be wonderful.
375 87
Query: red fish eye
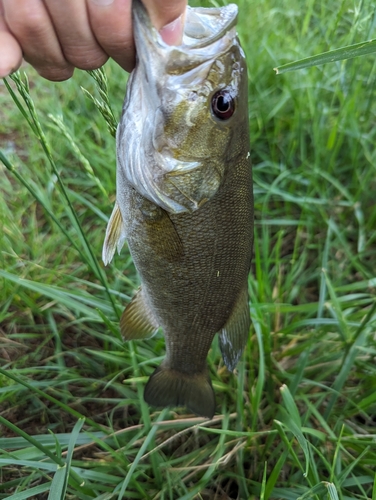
223 104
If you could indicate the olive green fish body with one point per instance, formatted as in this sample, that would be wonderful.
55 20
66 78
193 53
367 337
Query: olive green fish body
185 206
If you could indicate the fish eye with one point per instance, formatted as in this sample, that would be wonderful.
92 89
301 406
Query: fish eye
223 104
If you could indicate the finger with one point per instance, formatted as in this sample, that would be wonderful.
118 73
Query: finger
29 22
163 12
10 51
168 17
72 25
111 23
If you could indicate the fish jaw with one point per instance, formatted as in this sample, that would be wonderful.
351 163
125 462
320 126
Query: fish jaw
168 101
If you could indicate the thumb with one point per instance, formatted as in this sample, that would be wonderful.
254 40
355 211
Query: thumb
168 17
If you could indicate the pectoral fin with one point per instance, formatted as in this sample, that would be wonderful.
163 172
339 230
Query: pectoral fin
138 321
156 227
234 335
115 236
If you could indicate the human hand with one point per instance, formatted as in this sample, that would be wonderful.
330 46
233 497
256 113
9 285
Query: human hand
56 36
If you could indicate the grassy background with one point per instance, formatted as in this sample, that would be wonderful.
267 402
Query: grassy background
298 417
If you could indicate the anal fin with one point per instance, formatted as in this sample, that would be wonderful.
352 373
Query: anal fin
138 321
234 335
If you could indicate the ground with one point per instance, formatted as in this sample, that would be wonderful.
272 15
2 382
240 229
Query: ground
297 418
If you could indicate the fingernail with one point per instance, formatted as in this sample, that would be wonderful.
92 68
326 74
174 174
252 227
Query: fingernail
172 33
102 2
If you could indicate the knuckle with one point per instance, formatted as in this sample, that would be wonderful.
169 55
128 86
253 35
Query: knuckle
127 62
120 48
85 59
56 74
27 22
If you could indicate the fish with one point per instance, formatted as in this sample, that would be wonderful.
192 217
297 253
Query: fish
184 201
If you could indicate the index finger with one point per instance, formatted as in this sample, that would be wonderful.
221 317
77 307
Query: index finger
111 23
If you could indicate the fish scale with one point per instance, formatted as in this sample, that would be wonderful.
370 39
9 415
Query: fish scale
185 202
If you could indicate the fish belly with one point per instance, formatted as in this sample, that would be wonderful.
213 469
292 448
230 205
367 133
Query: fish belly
194 269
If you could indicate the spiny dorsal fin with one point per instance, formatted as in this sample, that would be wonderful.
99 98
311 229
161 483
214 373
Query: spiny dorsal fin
234 335
115 235
168 387
138 321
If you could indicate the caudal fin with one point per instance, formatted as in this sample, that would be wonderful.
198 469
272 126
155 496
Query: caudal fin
172 388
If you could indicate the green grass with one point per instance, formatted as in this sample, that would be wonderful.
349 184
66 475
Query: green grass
297 420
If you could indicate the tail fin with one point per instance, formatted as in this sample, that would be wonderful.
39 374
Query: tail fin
172 388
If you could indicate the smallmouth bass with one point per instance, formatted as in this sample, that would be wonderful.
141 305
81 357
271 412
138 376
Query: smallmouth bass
184 200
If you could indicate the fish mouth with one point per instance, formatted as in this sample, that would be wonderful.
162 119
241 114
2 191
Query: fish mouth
202 28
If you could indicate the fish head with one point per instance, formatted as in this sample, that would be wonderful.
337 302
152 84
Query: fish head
185 109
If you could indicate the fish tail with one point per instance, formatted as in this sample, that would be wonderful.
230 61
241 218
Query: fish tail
167 387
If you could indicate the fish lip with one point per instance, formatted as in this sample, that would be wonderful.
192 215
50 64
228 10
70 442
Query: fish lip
228 16
225 18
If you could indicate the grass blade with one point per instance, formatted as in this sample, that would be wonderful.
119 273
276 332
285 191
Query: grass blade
349 52
60 481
